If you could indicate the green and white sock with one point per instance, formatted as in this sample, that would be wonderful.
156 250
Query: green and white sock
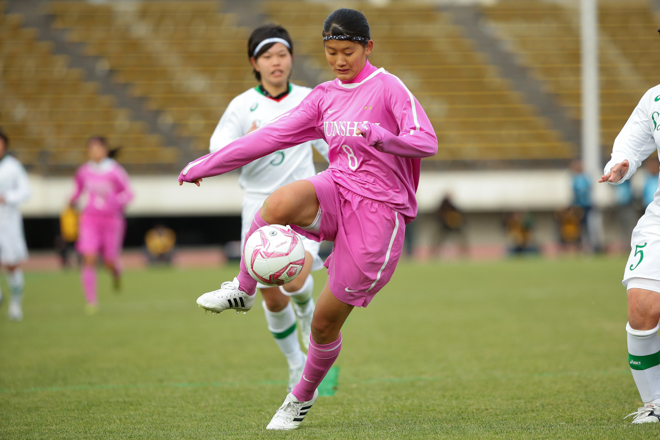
283 326
16 283
644 360
302 299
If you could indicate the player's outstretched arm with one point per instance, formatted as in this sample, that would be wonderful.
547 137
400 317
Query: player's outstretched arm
634 143
292 128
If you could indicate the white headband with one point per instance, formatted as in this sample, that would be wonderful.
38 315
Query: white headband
268 41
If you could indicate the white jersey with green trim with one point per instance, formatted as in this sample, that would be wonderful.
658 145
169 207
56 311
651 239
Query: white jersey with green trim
14 188
639 137
265 175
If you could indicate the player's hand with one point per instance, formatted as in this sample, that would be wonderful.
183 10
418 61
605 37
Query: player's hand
2 200
616 173
196 182
254 127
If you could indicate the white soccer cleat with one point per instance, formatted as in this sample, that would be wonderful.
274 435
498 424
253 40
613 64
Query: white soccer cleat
649 413
291 413
306 322
295 374
15 312
227 297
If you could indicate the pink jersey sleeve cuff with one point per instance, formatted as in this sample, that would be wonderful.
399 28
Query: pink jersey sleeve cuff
370 134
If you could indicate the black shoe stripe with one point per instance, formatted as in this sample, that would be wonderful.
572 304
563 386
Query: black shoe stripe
229 302
235 302
306 407
298 419
242 302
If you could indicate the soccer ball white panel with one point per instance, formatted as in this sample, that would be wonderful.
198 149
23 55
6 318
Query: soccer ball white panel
274 255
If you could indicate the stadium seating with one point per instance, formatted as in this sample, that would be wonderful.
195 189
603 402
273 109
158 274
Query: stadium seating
546 38
48 110
185 58
188 60
475 112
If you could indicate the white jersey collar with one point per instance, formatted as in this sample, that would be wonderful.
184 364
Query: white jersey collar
102 167
354 85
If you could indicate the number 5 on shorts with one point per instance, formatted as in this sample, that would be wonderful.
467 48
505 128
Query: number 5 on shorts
638 250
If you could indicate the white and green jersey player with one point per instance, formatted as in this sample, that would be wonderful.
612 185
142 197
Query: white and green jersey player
14 190
639 138
271 54
252 109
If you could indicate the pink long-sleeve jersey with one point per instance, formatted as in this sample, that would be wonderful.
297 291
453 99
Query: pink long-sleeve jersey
107 187
382 165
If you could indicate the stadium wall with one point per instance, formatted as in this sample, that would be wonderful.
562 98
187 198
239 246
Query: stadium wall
479 191
210 215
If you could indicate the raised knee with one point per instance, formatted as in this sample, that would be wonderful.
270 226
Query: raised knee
275 209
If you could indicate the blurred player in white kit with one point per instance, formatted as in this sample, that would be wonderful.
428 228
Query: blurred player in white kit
270 51
14 190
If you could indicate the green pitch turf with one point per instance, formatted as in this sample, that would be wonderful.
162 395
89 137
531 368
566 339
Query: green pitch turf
514 349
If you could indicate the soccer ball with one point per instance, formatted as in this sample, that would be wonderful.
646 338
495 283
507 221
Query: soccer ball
274 255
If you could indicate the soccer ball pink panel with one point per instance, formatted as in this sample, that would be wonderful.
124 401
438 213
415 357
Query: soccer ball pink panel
274 255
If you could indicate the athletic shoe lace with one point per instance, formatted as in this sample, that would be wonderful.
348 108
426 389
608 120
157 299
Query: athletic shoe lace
287 412
641 412
227 289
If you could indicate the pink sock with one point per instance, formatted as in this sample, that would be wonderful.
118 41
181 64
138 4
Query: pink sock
88 278
319 360
246 282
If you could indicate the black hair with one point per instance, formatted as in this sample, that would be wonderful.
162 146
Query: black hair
112 152
261 33
5 138
347 22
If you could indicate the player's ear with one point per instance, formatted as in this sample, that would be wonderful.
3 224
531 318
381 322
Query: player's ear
369 47
253 61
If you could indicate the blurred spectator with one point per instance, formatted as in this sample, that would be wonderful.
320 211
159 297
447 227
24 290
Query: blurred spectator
651 182
451 221
519 233
160 241
582 195
591 223
65 242
569 222
625 210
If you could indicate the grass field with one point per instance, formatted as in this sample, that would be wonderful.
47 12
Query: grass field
515 349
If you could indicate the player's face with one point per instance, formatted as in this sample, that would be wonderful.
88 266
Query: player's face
346 58
274 65
97 151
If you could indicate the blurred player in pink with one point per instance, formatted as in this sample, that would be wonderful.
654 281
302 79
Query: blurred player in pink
377 134
102 223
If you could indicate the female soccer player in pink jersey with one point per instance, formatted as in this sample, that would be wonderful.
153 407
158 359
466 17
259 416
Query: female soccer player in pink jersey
102 222
377 134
